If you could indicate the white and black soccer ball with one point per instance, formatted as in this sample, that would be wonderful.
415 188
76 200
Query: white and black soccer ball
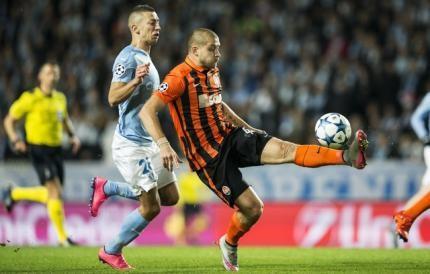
333 130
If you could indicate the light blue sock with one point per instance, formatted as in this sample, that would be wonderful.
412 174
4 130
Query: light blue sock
125 190
133 224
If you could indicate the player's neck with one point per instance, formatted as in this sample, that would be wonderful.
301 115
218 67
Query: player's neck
141 45
46 89
195 60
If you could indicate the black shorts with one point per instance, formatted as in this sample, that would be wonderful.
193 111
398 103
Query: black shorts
48 162
241 148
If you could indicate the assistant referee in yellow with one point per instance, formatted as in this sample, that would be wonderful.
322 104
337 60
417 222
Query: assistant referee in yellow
45 112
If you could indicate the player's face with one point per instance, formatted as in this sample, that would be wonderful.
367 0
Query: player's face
49 74
209 54
149 28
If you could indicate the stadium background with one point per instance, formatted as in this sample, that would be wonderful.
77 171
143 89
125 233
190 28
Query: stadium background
284 63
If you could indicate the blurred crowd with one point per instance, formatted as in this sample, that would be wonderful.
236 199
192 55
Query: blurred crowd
283 64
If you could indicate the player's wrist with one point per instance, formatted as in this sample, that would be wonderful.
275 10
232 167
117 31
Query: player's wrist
162 141
16 140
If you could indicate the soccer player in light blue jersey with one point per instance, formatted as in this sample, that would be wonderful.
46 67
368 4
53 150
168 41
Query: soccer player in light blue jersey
420 202
134 152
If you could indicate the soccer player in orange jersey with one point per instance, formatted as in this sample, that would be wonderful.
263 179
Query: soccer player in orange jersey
217 142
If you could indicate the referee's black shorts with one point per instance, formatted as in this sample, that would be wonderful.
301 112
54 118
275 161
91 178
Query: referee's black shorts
48 162
241 148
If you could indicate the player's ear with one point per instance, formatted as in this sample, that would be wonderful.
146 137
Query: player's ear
135 29
195 50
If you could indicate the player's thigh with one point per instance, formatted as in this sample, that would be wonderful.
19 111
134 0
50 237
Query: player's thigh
278 151
249 203
134 164
43 163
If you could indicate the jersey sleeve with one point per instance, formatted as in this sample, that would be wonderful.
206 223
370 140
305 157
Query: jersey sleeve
172 87
123 69
21 106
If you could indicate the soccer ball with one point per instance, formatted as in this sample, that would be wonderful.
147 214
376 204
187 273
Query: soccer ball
333 130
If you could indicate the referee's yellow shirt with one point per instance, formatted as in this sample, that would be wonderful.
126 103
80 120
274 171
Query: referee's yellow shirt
44 116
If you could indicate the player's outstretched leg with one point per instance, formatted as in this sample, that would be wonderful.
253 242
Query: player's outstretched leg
278 151
102 189
6 197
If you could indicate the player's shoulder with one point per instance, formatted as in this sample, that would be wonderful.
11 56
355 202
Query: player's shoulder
131 55
426 98
59 94
180 70
27 94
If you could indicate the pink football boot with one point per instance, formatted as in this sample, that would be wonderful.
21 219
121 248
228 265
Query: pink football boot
116 261
98 195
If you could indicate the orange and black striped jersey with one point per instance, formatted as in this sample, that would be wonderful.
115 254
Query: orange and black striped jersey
193 94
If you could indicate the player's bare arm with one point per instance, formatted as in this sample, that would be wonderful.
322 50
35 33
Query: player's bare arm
17 143
233 118
74 140
119 91
149 118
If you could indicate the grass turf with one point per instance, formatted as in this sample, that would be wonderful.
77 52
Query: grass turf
151 259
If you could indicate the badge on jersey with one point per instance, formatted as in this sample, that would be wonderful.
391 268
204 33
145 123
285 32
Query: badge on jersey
163 87
119 70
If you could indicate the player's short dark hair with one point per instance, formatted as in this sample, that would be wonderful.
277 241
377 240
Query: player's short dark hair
142 8
199 36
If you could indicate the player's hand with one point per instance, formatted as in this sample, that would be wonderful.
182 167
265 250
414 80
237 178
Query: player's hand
76 144
20 146
141 72
169 157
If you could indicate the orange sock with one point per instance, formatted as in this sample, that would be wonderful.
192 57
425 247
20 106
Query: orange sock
315 156
421 205
235 230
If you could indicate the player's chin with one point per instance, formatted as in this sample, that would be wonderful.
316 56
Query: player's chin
154 39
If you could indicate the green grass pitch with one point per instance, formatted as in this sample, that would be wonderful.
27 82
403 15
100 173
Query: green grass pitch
150 259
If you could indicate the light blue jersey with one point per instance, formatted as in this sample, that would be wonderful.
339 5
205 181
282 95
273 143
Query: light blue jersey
420 119
129 125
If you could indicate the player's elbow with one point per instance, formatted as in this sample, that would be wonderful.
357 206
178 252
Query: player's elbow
113 102
7 121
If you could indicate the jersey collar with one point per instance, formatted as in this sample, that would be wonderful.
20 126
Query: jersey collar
39 92
189 62
194 66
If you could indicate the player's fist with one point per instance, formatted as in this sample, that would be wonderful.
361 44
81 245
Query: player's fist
20 146
141 72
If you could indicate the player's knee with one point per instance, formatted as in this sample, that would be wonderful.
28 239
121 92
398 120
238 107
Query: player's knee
255 210
150 212
54 190
171 200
